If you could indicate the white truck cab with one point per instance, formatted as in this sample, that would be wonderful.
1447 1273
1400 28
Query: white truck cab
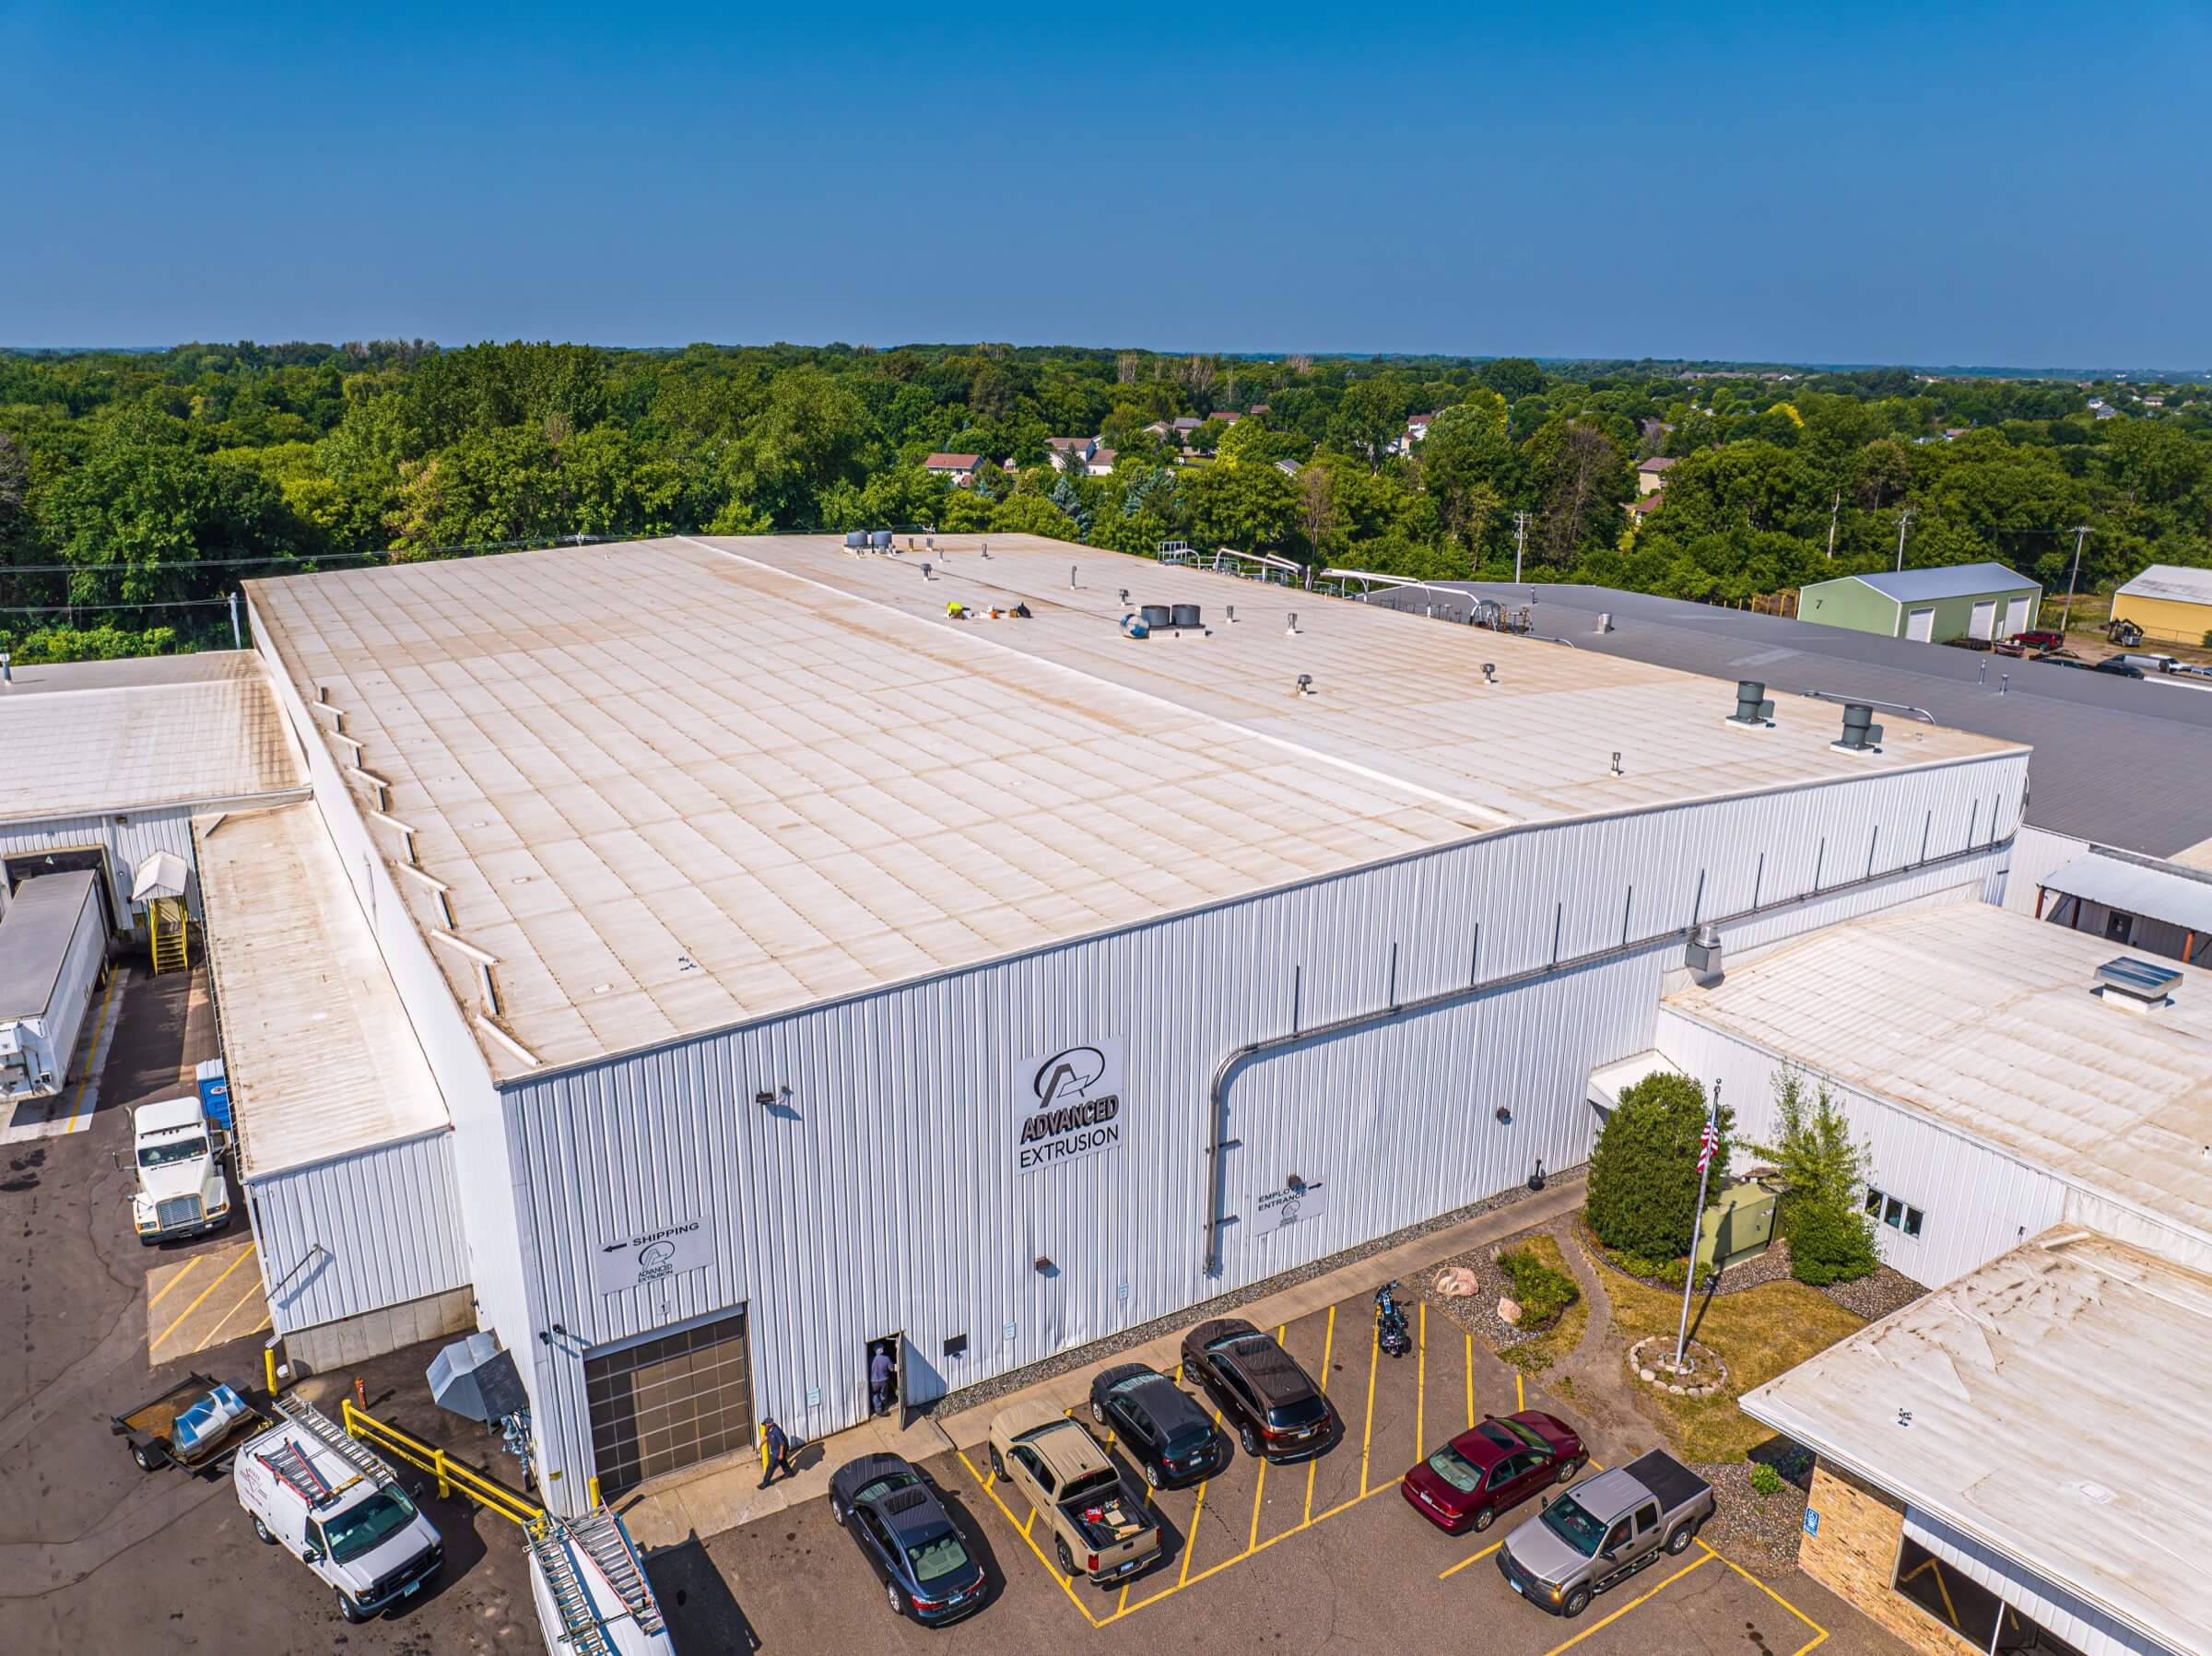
181 1187
336 1505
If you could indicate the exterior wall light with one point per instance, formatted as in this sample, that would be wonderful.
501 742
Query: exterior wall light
1505 1116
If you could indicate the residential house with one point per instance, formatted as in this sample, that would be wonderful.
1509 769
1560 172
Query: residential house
1062 448
1650 475
960 469
1642 507
1100 463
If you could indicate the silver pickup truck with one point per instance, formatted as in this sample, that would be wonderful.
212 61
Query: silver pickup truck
1603 1531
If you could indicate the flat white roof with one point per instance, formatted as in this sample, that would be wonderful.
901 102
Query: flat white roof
95 738
2176 581
677 785
321 1058
1985 1019
2053 1417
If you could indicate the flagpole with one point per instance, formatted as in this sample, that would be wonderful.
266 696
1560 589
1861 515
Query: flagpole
1696 1220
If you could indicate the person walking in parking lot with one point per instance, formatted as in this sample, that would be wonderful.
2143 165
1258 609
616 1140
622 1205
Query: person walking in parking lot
879 1379
777 1455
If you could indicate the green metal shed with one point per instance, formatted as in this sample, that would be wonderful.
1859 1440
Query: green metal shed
1968 600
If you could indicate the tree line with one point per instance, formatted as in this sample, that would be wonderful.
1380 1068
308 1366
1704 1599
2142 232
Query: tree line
138 489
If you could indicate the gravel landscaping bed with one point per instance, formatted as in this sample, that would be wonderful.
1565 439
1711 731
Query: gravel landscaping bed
1478 1312
1761 1535
969 1397
1873 1297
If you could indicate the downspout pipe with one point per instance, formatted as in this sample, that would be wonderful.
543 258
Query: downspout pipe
1217 1091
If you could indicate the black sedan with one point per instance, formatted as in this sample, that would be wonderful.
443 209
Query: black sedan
895 1517
1171 1439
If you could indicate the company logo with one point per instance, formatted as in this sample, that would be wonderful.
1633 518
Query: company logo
656 1256
1078 1105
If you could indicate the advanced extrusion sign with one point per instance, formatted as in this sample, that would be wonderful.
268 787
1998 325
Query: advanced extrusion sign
1069 1104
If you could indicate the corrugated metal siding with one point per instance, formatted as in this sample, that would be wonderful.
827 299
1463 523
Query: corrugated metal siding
878 1193
1978 1201
2037 853
2083 1626
128 842
389 1220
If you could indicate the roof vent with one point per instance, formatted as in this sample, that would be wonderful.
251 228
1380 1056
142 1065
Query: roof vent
1705 956
1753 711
1305 684
880 540
1861 733
1155 615
2135 985
1489 673
1186 615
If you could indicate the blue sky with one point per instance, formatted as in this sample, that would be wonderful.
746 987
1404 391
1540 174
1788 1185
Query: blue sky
1964 183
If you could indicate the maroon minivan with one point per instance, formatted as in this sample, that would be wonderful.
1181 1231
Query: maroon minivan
1467 1484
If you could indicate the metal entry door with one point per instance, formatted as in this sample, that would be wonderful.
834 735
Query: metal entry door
669 1402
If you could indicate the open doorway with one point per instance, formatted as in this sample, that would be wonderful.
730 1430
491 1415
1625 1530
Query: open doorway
884 1366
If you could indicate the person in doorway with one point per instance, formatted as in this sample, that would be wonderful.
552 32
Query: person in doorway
775 1453
881 1368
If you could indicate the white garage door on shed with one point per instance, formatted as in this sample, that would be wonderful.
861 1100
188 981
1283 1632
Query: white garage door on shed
2018 613
1919 625
1984 622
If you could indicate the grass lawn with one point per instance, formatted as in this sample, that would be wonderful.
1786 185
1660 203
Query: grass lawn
1759 1332
1532 1356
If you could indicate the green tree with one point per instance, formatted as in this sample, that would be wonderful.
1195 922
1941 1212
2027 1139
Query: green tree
1642 1191
1249 506
812 434
1823 1169
1512 378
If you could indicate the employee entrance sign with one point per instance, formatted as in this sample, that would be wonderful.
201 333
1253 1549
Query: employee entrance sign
1068 1104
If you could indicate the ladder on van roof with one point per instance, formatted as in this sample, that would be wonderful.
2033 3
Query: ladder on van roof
328 1433
600 1533
582 1630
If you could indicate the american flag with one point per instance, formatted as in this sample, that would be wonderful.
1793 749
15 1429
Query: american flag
1708 1141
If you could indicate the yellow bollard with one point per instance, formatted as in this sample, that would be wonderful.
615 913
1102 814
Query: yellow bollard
269 1363
445 1485
592 1490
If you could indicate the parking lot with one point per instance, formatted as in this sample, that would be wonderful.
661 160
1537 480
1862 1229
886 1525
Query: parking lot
1322 1554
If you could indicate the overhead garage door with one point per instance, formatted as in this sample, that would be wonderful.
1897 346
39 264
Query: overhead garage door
669 1400
1920 625
1984 622
2016 615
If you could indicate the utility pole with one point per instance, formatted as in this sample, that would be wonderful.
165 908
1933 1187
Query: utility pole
1520 541
1707 1139
1835 508
2080 533
1903 518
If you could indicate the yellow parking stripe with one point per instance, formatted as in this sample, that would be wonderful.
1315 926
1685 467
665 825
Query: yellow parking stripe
1421 1391
243 1300
1470 1382
1477 1559
1819 1633
183 1271
79 1117
1367 1434
1328 1346
1596 1627
154 1343
1319 1518
1065 1585
1520 1391
1190 1540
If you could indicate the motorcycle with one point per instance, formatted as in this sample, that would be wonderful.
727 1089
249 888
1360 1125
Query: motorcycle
1390 1332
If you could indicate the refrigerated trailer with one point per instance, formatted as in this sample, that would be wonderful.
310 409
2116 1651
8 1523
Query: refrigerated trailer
52 944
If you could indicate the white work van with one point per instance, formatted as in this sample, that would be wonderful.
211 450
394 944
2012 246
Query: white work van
181 1191
336 1505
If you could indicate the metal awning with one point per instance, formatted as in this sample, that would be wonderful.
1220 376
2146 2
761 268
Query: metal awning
1608 1084
2152 893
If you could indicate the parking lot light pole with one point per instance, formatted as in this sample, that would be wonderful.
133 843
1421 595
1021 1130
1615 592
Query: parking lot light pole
1697 1218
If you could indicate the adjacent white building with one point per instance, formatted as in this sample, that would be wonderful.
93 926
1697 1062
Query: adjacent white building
799 964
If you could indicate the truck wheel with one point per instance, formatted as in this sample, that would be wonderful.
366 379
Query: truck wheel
261 1531
1484 1518
349 1609
144 1454
1578 1600
997 1465
1067 1559
1679 1541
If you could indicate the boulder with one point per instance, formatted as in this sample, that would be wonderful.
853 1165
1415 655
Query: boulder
1458 1282
1510 1309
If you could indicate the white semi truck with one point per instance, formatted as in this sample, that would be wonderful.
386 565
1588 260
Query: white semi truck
177 1154
53 941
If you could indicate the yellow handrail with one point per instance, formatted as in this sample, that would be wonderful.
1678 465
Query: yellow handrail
451 1473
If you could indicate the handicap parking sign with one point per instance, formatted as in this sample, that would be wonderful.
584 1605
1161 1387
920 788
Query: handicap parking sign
1812 1521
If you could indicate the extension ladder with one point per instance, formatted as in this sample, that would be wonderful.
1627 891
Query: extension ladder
601 1535
580 1627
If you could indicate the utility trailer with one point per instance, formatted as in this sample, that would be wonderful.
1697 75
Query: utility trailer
197 1424
52 943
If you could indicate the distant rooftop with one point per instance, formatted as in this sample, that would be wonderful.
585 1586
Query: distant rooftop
679 785
1984 1019
94 737
2170 580
1950 581
2098 739
2043 1400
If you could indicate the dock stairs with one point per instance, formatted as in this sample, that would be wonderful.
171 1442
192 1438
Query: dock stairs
595 1543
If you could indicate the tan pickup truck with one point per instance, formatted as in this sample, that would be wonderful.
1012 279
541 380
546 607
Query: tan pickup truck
1100 1527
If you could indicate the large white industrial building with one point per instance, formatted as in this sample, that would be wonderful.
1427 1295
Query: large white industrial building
701 957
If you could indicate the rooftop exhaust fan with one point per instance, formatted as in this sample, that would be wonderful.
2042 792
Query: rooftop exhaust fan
1861 733
1754 711
1705 956
2135 984
1305 684
1489 673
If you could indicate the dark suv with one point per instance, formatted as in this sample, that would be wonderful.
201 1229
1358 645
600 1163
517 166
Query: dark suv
903 1530
1168 1435
1277 1409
